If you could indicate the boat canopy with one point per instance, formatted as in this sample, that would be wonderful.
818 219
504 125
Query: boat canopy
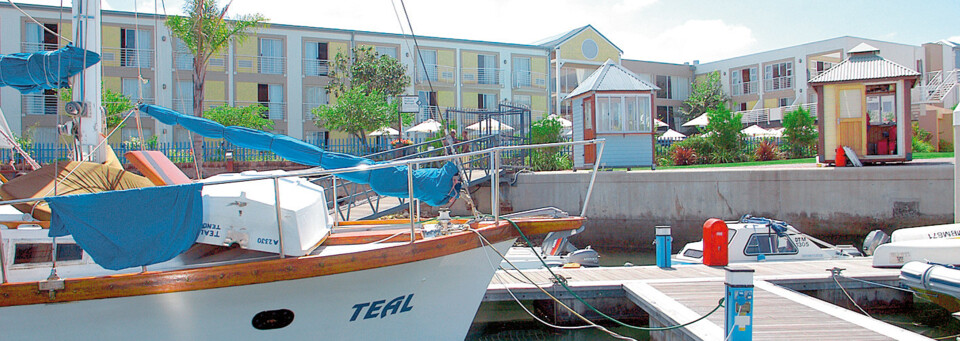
434 186
44 70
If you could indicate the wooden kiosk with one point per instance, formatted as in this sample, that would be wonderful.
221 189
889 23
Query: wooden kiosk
617 105
864 103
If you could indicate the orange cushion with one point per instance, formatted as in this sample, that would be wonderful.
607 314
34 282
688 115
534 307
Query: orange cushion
157 167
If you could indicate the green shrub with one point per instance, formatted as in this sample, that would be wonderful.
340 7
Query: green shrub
920 146
920 133
547 130
724 129
945 146
800 133
701 146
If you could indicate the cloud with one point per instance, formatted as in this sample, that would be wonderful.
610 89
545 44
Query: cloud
706 40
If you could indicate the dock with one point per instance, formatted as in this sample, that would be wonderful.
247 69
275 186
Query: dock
685 292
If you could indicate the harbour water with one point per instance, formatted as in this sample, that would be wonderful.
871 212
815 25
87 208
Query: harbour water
924 318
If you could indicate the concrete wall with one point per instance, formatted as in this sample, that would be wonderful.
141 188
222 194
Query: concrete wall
831 203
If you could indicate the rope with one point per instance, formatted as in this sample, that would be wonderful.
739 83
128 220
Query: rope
38 23
140 80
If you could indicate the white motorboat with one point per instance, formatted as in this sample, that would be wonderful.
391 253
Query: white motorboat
753 239
555 251
937 283
935 243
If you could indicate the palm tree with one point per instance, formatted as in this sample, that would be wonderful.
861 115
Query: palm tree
207 31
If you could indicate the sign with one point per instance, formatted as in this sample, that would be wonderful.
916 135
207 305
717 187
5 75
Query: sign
409 104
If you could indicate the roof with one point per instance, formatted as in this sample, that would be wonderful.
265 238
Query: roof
863 63
554 41
612 77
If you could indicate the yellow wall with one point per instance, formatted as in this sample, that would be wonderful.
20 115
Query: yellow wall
468 68
111 44
448 64
66 30
336 134
538 103
335 46
246 92
446 99
112 83
247 53
213 90
447 58
829 121
469 100
771 102
750 104
571 49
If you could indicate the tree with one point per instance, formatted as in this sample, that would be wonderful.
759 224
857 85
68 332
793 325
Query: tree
207 31
248 116
706 93
357 111
114 103
799 132
724 134
363 85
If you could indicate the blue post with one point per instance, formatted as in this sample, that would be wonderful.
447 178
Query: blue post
663 242
738 304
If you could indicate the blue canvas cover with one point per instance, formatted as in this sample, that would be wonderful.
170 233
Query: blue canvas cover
34 72
434 186
117 230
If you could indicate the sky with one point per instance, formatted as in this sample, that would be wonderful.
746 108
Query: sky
674 31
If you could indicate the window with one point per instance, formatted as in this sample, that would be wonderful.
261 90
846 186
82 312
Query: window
783 102
523 100
881 109
428 105
769 244
46 135
663 82
135 90
315 59
314 96
183 59
623 113
956 58
271 96
665 114
135 48
319 138
28 253
692 253
487 69
743 81
743 106
183 99
39 39
271 56
778 76
428 66
387 51
487 101
850 102
127 134
43 103
522 77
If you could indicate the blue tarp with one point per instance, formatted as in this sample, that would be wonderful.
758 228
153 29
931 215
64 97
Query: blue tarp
119 231
433 186
33 72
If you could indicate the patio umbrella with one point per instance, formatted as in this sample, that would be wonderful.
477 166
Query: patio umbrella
672 134
385 131
563 122
428 126
660 123
489 124
756 131
700 121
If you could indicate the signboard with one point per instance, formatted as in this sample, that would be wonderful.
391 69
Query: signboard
409 104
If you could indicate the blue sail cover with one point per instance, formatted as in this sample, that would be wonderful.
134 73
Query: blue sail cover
34 72
433 186
118 233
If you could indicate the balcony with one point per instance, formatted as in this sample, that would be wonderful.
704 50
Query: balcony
481 76
276 111
40 104
185 106
529 80
37 47
744 88
774 114
261 64
315 67
308 111
183 60
779 83
428 112
436 74
124 57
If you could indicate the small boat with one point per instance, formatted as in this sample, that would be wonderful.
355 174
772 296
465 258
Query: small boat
554 251
937 283
935 243
753 239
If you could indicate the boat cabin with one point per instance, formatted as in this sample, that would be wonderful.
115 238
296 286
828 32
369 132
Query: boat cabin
863 103
614 104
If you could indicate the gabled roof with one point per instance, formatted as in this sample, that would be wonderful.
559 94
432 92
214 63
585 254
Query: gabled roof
612 77
864 62
554 41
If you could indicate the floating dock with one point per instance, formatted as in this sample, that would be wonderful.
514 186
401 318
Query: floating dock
684 293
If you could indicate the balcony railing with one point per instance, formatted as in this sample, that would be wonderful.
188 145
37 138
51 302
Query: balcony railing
40 104
529 80
779 83
481 76
308 110
774 114
437 74
124 57
315 67
261 64
183 60
185 106
744 88
37 47
428 112
275 110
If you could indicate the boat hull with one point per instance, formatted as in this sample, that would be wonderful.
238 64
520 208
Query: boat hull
938 284
896 254
430 299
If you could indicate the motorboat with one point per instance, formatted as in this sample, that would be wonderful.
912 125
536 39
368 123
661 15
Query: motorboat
937 283
935 243
555 251
754 239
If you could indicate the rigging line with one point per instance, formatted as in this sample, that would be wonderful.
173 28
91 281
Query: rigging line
38 23
415 43
140 80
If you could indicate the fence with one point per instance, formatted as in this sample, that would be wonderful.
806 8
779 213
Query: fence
664 145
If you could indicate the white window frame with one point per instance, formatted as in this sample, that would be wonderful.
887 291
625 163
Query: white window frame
613 117
778 76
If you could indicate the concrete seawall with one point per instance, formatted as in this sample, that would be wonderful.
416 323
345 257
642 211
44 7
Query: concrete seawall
833 203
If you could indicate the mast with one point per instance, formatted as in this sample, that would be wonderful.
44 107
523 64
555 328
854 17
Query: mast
87 35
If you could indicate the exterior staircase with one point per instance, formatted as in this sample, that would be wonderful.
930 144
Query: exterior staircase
938 84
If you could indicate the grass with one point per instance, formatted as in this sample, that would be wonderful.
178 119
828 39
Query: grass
916 156
932 155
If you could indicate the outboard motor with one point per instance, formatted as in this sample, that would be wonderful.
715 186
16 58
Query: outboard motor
874 239
587 257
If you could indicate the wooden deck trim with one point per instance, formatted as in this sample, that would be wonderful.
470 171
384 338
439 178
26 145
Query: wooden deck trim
158 282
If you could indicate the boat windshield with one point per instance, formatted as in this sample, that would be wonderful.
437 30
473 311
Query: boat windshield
769 244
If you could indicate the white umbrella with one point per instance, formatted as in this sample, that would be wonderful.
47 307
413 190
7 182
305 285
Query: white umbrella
489 125
428 126
660 123
563 122
778 132
672 134
385 131
756 131
700 121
